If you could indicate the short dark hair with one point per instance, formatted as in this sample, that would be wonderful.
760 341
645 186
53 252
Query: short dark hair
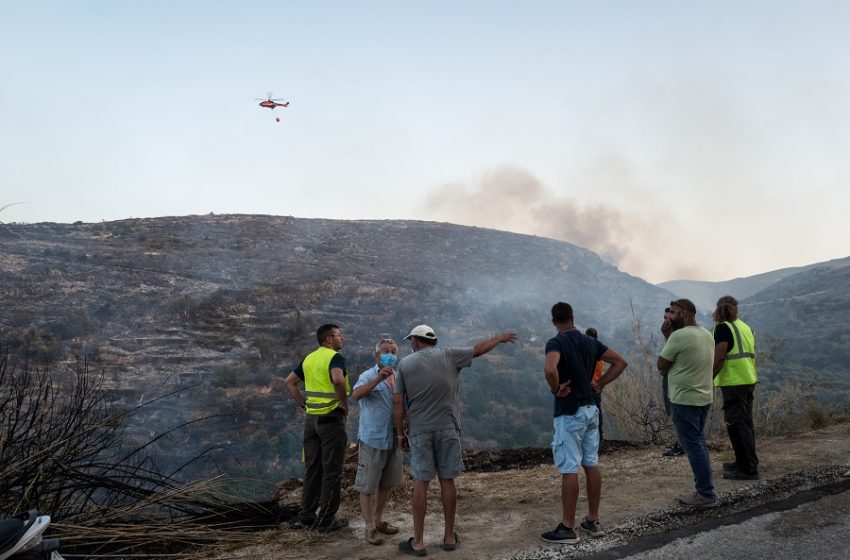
562 312
591 332
325 331
685 304
426 341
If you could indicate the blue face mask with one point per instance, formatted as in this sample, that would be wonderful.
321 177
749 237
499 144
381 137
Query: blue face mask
389 360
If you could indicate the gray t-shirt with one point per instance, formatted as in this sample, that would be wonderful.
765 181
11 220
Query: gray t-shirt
428 380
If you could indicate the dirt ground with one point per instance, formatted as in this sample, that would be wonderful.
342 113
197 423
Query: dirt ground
500 514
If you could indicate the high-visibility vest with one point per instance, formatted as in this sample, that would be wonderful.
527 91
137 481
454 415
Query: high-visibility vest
740 365
318 387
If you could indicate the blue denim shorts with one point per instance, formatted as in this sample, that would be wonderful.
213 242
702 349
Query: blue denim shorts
576 440
436 453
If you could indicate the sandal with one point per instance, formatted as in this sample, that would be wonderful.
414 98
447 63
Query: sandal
407 548
387 528
448 547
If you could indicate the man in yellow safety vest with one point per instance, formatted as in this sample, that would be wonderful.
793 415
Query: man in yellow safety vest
735 374
325 400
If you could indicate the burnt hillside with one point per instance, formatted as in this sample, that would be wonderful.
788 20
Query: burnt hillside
229 303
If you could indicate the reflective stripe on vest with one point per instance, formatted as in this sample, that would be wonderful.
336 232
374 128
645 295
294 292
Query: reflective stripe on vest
740 365
321 397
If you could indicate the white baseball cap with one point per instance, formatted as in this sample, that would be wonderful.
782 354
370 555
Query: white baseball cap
422 331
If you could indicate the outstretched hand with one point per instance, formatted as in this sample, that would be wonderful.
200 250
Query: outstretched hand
507 337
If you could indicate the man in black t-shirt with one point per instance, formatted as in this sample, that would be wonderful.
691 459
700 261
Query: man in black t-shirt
570 360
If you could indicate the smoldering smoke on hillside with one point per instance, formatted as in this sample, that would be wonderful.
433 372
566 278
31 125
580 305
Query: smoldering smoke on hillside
229 304
511 198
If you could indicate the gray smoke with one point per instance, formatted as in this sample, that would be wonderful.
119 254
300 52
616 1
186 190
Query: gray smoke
513 199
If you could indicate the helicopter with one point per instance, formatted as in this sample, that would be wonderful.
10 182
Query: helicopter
270 103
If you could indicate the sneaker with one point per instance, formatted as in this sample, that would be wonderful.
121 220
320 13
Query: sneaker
335 525
674 450
373 537
735 474
387 528
696 499
562 535
592 528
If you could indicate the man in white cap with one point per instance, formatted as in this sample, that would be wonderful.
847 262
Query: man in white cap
427 381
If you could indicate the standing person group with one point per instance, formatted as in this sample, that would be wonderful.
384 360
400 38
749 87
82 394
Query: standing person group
412 405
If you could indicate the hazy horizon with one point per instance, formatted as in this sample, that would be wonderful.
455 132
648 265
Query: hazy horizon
676 140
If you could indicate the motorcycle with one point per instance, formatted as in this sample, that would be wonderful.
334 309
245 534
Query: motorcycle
21 538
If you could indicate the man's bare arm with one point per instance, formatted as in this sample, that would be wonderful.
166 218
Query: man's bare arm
617 366
550 370
720 351
398 420
366 388
338 378
291 383
486 345
663 365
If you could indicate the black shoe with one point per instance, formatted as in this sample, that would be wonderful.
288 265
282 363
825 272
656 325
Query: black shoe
592 528
335 524
674 450
740 475
561 535
301 524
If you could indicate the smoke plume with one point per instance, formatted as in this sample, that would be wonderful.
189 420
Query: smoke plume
513 199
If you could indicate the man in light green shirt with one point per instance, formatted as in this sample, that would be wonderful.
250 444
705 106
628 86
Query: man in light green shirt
687 360
691 357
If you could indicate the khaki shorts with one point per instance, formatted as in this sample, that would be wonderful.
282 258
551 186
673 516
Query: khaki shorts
377 468
436 453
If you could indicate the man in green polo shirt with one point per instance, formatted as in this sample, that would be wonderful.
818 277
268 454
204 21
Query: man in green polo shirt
687 360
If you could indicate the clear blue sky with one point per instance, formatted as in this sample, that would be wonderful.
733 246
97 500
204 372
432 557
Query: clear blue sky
679 139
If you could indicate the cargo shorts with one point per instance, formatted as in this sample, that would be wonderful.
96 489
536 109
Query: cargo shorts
576 439
436 453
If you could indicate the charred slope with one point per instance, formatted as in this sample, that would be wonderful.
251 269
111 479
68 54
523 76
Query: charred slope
229 303
804 321
705 294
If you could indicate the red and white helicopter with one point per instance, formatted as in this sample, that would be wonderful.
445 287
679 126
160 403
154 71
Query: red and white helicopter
270 103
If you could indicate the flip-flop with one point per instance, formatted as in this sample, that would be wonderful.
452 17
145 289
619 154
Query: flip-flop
449 547
407 548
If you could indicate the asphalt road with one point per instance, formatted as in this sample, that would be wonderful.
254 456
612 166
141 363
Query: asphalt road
812 524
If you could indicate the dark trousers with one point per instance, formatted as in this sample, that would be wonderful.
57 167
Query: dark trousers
738 415
690 427
665 387
324 454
